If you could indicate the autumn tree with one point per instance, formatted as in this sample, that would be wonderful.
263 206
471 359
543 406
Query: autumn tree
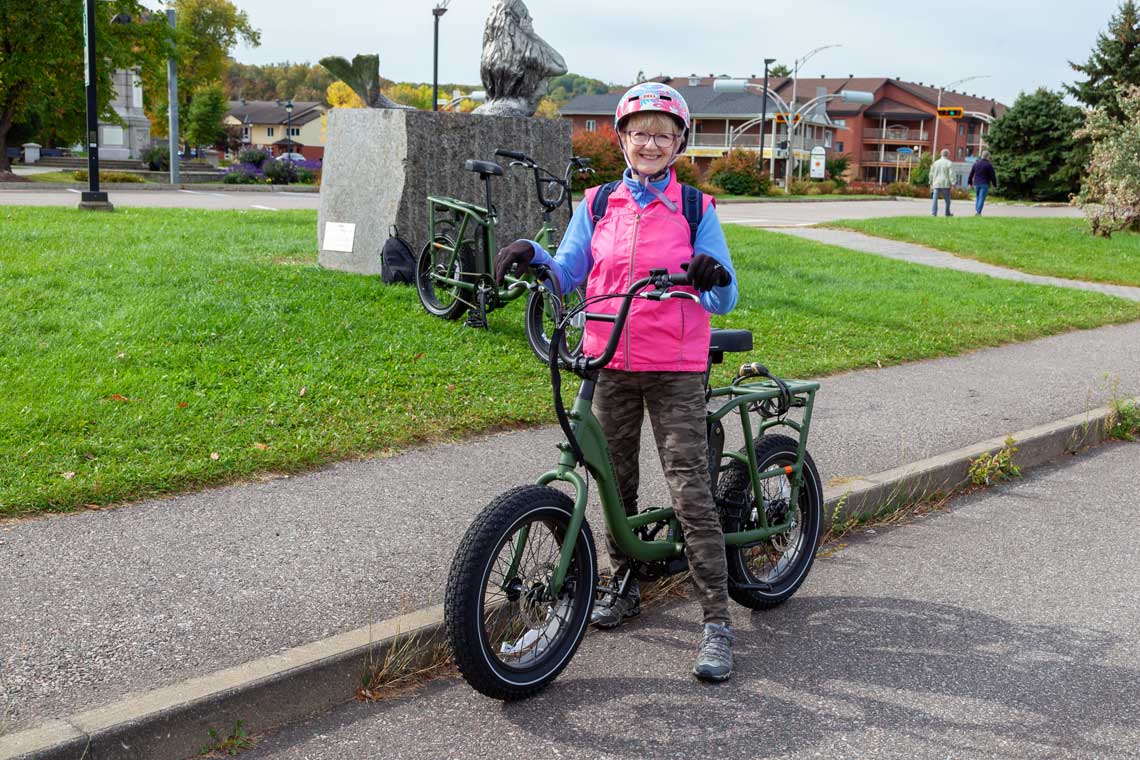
42 71
206 31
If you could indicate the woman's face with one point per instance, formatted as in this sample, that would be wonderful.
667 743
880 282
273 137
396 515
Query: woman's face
651 158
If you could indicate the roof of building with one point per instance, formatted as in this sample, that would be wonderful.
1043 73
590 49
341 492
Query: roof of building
270 112
886 108
703 101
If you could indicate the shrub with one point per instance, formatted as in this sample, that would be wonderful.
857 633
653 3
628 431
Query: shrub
836 167
1110 196
305 176
823 187
907 190
738 173
254 156
799 187
860 187
243 174
708 188
687 172
601 147
81 176
956 193
920 175
279 172
157 157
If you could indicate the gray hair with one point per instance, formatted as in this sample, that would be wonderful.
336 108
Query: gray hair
945 153
985 154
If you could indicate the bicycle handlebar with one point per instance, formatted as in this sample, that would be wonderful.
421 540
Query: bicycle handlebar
543 177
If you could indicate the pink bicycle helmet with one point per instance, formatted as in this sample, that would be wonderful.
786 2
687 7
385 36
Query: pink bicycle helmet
654 96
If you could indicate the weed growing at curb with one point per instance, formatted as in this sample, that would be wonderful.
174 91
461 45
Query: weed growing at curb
1123 421
994 468
237 742
408 663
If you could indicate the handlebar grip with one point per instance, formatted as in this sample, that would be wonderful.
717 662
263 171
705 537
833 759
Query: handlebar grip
582 161
513 154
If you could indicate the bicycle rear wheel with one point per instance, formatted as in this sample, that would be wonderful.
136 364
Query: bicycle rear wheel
510 634
437 260
540 321
766 574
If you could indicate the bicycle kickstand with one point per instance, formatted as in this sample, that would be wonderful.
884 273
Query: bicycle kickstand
477 315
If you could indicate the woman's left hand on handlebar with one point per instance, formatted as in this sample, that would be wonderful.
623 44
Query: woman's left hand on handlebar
706 273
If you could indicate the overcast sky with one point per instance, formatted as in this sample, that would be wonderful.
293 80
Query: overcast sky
1019 44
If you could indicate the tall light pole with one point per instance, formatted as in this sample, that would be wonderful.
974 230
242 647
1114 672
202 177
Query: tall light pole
93 198
764 117
937 118
796 75
172 107
437 11
794 117
289 126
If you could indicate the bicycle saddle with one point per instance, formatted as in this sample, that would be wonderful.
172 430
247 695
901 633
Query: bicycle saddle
483 167
730 341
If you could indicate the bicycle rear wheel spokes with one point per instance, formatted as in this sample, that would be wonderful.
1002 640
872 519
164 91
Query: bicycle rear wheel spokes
767 574
440 259
540 321
510 633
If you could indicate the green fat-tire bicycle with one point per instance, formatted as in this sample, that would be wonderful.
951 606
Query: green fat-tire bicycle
455 268
524 577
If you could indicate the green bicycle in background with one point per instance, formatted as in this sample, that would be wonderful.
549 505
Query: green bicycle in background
524 576
455 268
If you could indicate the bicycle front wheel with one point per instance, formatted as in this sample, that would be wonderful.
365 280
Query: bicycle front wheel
768 573
438 260
510 633
540 321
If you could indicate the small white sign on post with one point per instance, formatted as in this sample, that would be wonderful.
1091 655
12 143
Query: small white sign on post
338 237
818 162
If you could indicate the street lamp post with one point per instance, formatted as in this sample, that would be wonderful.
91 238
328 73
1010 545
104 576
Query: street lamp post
289 126
794 117
764 117
93 198
937 118
437 11
477 96
796 74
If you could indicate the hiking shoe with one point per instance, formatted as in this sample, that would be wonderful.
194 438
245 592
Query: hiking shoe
611 609
714 654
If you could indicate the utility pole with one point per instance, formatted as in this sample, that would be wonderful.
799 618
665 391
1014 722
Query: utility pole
172 110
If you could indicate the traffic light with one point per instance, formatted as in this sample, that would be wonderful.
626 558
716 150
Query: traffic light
951 112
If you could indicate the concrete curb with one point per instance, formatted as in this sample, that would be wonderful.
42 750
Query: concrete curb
174 722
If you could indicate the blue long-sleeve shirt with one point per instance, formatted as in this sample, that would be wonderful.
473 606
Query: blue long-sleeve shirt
573 261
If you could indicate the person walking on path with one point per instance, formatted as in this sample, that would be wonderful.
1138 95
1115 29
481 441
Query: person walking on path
662 358
982 177
941 177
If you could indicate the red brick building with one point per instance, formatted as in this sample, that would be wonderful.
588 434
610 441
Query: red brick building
903 115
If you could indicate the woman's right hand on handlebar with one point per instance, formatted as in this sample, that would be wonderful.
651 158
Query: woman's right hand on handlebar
519 252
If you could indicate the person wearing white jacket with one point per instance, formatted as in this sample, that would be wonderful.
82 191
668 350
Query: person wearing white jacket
941 177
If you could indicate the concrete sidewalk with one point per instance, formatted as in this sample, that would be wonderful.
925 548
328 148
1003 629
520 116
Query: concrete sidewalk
98 606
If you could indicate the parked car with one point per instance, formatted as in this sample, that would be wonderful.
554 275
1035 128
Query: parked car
294 157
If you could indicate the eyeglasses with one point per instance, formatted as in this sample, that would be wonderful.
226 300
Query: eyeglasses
663 140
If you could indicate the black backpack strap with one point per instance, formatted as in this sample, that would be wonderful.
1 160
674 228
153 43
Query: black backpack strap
602 200
693 207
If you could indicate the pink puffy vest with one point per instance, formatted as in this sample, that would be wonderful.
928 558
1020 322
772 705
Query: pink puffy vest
659 336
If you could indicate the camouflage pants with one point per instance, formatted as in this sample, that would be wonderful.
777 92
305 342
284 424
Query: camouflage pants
676 404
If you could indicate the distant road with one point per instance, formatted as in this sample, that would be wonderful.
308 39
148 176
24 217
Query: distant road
205 198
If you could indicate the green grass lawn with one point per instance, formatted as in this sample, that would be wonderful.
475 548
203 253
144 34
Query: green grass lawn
1055 247
54 177
148 351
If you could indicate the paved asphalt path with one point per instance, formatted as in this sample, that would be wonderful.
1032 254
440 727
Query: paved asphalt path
204 198
1003 627
98 605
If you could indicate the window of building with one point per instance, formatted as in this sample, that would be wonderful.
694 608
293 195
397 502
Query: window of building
269 131
827 139
961 129
245 134
839 147
591 125
959 152
294 131
841 123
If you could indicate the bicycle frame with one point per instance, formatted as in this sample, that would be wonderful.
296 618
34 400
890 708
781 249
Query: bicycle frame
740 398
466 216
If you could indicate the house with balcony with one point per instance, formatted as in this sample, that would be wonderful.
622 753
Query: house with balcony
721 121
268 125
884 140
